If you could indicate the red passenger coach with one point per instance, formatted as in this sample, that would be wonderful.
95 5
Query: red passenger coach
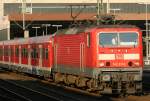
106 58
1 51
31 55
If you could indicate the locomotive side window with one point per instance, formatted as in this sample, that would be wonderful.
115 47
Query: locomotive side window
46 53
88 39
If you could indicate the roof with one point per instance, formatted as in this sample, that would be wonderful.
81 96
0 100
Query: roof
39 39
83 28
72 1
67 16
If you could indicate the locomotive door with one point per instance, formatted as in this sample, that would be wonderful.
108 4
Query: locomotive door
82 57
55 57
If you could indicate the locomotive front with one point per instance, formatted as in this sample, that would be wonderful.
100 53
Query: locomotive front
120 59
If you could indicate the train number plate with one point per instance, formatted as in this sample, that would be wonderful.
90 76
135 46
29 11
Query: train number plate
119 56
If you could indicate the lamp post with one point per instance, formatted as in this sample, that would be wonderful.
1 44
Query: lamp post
46 25
98 12
108 6
146 28
36 29
146 24
114 12
57 26
23 13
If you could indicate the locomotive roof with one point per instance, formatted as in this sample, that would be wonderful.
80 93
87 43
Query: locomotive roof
80 29
116 26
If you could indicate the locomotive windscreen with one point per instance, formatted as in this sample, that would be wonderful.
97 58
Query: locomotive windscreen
118 39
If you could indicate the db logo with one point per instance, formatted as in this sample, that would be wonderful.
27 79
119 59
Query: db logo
119 56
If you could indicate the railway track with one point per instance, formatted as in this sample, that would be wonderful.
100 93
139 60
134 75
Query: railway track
22 93
52 90
34 89
146 88
14 90
7 94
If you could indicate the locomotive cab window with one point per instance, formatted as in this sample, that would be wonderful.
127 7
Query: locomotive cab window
130 39
118 39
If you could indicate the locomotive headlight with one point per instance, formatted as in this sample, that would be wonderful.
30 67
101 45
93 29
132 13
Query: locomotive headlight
106 77
136 63
101 64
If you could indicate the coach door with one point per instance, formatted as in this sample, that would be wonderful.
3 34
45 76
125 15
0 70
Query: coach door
12 53
82 57
24 54
16 58
1 53
35 55
46 55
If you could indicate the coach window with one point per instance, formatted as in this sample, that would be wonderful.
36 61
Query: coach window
6 51
32 53
22 50
1 52
11 51
17 52
26 53
36 54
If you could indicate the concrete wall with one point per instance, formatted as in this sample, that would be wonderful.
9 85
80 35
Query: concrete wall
3 34
75 1
1 8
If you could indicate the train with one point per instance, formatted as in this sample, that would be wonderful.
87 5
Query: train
107 59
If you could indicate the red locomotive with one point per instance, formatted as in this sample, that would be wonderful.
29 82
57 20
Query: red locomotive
106 58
